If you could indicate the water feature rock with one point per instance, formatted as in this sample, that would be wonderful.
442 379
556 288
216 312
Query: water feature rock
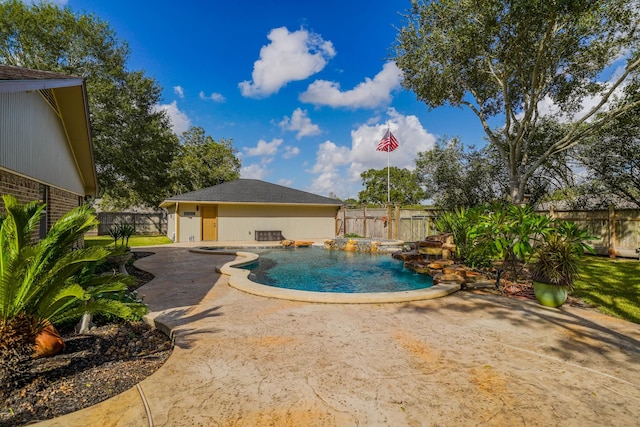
473 276
406 256
440 264
458 269
418 267
430 251
448 278
429 244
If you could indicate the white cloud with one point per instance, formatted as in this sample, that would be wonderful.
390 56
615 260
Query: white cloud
290 151
339 167
264 148
178 91
330 162
180 122
216 97
254 171
329 156
288 57
371 93
301 123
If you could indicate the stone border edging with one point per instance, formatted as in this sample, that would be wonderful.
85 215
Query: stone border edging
239 279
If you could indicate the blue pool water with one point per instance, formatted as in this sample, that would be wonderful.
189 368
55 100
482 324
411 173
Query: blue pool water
321 270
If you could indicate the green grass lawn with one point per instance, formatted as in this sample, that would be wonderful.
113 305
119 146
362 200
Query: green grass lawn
133 241
612 285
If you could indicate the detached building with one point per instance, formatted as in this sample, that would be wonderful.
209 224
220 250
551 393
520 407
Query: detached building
249 209
46 152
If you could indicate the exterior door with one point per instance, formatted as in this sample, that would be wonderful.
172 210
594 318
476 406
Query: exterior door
209 222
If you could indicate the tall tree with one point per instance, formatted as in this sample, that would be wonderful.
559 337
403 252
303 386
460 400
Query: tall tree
502 59
612 157
202 162
133 141
404 187
454 176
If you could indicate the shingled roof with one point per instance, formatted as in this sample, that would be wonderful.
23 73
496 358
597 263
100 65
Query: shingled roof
252 191
15 79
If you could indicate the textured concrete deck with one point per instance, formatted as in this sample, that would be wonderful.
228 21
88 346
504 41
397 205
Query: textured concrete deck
465 359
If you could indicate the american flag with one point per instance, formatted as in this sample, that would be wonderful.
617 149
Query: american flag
388 142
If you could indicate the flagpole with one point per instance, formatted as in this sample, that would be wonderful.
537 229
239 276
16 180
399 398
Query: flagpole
388 143
388 177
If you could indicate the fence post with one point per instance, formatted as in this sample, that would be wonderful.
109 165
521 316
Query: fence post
344 222
364 220
397 224
612 232
388 221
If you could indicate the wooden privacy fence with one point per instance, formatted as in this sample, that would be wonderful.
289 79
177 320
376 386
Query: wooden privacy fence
617 232
408 225
145 223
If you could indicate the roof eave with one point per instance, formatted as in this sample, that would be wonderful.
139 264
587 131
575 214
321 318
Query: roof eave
8 86
74 110
167 203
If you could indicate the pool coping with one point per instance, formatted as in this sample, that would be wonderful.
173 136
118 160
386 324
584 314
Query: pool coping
239 279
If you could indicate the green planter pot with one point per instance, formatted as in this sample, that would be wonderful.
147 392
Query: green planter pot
550 295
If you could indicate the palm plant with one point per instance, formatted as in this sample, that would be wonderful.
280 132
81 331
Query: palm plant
556 259
122 232
46 282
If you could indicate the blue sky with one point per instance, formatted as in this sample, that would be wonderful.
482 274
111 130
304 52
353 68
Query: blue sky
304 88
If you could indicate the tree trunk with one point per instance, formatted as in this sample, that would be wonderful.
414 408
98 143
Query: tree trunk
515 190
84 324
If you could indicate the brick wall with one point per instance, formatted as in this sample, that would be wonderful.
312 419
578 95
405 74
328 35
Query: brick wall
59 203
24 189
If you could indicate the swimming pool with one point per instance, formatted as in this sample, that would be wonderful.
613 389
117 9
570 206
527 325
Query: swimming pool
321 270
237 277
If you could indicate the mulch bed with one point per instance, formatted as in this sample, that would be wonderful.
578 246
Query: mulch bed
106 361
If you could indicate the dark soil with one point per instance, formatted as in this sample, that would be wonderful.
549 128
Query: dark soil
93 367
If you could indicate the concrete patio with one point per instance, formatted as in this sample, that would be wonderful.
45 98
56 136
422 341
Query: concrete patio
465 359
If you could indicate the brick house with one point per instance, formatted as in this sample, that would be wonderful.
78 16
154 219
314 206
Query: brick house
45 140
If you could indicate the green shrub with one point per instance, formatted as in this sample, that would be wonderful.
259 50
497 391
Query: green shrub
462 224
556 259
509 233
47 281
353 236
